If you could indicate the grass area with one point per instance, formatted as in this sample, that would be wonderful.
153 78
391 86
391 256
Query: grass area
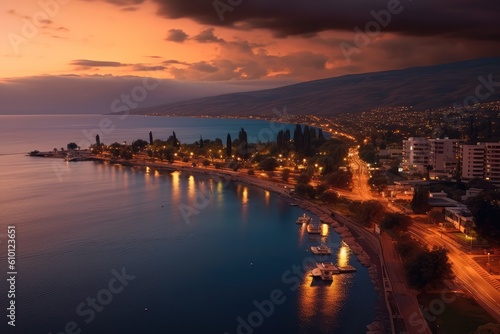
466 239
462 315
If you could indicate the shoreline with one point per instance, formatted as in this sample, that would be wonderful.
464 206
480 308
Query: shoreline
352 234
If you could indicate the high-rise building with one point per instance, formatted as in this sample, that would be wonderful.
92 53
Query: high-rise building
492 167
481 161
444 155
416 151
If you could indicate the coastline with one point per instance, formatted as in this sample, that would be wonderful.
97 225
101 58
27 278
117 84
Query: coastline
356 237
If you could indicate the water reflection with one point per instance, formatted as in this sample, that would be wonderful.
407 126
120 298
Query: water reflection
320 302
191 188
324 230
176 187
343 255
267 197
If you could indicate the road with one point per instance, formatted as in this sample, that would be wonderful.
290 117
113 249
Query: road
360 176
471 277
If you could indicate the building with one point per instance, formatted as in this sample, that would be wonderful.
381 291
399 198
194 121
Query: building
492 168
481 161
416 152
460 217
444 156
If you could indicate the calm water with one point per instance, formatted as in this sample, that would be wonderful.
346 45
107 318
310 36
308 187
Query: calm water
238 247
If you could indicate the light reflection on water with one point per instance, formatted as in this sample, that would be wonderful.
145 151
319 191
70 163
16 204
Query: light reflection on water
321 302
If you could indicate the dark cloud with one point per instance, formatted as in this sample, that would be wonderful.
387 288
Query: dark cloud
147 68
237 60
177 35
96 63
174 61
466 19
125 3
130 9
207 36
203 66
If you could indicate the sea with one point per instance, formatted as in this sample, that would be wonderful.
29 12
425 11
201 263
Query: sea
103 248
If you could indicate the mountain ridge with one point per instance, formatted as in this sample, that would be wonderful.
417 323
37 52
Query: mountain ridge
422 87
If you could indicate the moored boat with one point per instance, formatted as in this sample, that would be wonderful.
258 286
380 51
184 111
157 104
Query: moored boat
313 229
304 219
321 250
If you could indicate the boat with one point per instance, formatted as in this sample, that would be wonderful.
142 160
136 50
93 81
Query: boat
321 250
313 229
303 219
325 270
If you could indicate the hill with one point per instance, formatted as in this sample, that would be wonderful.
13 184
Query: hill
422 88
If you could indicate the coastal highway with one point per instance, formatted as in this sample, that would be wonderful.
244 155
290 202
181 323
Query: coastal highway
476 282
360 175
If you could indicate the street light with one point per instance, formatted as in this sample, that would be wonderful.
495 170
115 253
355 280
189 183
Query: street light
488 260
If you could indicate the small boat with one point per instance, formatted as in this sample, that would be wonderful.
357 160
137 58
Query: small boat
313 229
325 270
321 250
304 219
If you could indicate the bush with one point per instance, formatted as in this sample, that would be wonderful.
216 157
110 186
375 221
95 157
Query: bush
251 172
329 196
396 221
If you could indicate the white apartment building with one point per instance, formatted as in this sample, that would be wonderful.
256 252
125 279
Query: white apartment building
492 168
481 161
416 152
444 155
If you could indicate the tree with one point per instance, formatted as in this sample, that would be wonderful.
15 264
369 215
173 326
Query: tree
234 165
201 141
268 164
150 138
229 145
243 146
206 162
396 221
71 146
173 141
303 190
489 328
429 268
329 196
304 178
250 172
428 170
298 138
339 179
97 140
485 208
369 212
139 145
420 201
321 138
285 175
306 145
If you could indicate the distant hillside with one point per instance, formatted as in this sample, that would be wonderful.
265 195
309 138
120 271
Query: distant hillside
420 87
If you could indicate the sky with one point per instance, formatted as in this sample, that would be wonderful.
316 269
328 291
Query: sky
59 49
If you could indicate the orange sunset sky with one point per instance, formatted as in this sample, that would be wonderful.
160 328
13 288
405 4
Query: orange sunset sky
243 44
